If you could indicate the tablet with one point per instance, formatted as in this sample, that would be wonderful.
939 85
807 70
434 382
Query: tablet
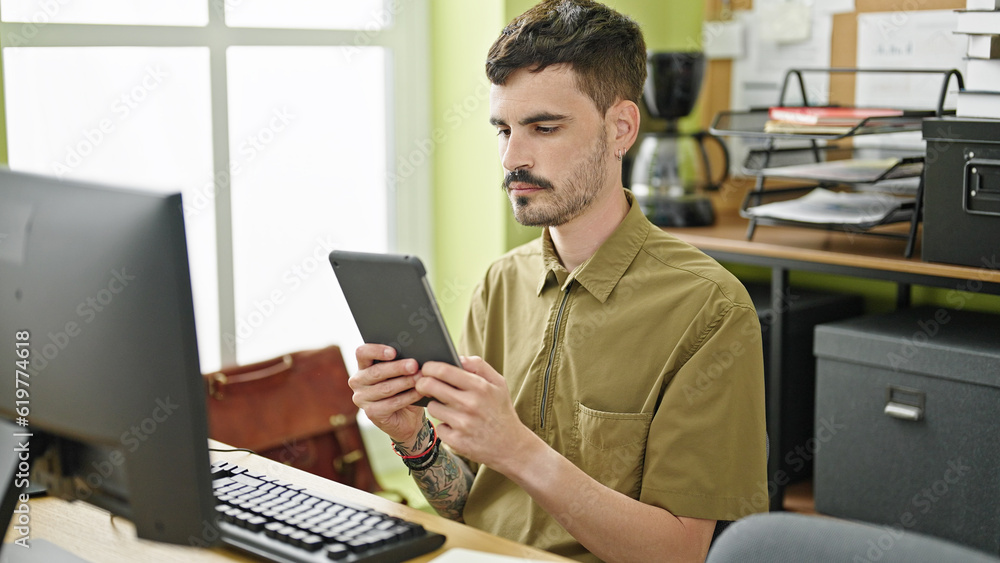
392 304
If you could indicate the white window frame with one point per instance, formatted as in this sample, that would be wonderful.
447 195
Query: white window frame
408 119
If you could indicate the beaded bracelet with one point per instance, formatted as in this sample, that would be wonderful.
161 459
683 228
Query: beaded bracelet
425 459
435 449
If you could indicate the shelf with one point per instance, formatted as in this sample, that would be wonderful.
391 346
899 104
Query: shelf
887 173
830 252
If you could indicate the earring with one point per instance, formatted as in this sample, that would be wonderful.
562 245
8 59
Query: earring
619 154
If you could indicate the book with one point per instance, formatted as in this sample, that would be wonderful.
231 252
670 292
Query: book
777 126
890 124
983 22
828 115
871 126
978 104
982 4
983 47
982 74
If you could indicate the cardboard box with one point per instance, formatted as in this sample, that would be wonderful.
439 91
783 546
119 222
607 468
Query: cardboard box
909 404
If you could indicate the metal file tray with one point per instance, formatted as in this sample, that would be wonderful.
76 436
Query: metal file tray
777 146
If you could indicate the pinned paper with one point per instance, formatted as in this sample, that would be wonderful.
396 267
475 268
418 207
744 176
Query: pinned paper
758 74
923 39
785 21
723 39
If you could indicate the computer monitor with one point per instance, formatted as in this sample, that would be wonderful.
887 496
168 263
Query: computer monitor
98 357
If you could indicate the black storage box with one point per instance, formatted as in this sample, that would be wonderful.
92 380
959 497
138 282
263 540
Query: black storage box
962 192
910 404
806 309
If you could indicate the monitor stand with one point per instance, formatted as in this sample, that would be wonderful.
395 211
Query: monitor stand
15 464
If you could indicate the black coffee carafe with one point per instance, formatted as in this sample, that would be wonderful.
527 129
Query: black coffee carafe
671 170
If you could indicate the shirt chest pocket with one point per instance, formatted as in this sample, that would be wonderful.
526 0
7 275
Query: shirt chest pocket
610 446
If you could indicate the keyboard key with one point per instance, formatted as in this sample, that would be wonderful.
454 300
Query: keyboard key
272 529
337 552
311 542
255 523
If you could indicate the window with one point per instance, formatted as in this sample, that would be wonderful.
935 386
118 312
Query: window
278 121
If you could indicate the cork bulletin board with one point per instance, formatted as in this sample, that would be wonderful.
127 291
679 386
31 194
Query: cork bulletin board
717 87
715 95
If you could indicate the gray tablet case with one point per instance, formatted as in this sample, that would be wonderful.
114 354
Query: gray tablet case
392 304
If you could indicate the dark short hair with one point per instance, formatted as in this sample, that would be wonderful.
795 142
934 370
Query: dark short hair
605 48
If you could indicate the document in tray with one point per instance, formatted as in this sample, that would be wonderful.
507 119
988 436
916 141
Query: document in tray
825 207
855 170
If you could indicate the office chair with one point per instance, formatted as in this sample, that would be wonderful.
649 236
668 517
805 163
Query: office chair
784 537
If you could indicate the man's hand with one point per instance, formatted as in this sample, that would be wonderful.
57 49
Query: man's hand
384 389
477 418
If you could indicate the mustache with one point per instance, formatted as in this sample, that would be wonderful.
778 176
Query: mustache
524 176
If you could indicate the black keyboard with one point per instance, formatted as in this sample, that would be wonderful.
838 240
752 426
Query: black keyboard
279 521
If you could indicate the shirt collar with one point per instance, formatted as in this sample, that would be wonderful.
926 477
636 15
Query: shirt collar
601 272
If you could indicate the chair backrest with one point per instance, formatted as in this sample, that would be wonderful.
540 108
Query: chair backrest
783 537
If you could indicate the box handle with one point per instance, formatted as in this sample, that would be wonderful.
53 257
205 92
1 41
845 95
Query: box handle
981 189
904 404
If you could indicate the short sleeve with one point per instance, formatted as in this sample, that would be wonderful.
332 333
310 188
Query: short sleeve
706 451
472 341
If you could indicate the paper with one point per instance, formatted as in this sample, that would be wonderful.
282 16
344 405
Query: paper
856 170
757 77
461 555
825 207
913 40
784 21
723 39
921 39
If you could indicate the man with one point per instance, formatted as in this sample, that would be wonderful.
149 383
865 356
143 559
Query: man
629 417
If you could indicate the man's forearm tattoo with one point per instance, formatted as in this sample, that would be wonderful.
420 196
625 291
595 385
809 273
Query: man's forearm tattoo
446 484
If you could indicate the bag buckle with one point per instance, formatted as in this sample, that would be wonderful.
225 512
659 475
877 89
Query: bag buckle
339 421
340 463
216 382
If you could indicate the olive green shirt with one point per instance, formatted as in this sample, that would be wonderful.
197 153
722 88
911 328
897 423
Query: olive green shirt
643 367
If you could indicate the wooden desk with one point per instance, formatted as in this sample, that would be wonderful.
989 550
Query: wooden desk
833 252
93 535
788 248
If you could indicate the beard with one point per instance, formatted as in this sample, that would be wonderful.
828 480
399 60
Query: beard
554 205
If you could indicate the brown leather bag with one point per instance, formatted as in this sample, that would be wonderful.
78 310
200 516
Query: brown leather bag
297 410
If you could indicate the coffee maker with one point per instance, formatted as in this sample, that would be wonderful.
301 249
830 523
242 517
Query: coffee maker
671 171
